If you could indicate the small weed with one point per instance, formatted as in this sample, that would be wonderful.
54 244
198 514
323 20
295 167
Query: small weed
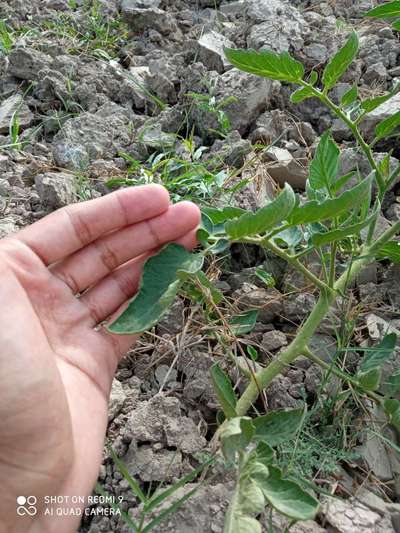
6 38
148 517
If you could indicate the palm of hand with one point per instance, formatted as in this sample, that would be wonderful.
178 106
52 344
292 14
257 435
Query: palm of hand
56 368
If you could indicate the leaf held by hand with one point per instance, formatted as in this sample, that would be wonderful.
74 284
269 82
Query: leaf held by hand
162 276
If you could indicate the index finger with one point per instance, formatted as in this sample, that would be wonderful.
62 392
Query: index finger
71 228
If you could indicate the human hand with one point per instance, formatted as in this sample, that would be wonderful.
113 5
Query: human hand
56 369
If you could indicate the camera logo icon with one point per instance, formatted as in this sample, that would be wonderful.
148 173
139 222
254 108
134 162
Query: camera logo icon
26 505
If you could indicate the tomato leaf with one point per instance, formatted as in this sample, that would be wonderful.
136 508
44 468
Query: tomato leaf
315 211
287 497
325 165
268 64
162 276
278 427
340 62
377 356
223 388
391 9
265 218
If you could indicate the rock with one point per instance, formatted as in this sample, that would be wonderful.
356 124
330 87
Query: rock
352 516
391 283
375 73
153 465
233 8
14 106
173 321
297 307
158 420
267 301
374 454
252 95
286 32
232 150
316 52
378 327
117 400
284 168
211 51
281 524
166 376
7 226
153 137
27 64
393 213
88 137
278 394
203 512
273 340
384 111
55 189
324 346
140 18
141 4
195 364
369 274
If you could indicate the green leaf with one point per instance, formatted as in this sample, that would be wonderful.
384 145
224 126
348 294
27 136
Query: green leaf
159 497
268 64
370 380
317 211
265 218
265 454
224 390
172 509
289 237
162 276
301 94
390 250
278 427
287 497
323 238
235 436
221 245
341 182
236 522
340 62
244 323
381 353
392 9
208 288
123 470
325 165
349 97
265 277
370 104
396 25
313 78
387 126
219 216
394 383
251 498
392 409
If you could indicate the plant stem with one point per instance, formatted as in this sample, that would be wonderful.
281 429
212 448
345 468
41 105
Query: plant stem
339 373
356 132
393 176
299 344
296 348
291 260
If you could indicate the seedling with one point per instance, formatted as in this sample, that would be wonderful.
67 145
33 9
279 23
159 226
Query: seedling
330 222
